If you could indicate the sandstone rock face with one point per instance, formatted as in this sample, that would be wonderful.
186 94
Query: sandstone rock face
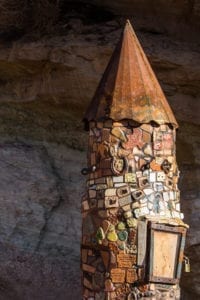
45 87
158 16
39 221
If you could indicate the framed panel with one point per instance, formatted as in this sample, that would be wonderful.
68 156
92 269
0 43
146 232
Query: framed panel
166 246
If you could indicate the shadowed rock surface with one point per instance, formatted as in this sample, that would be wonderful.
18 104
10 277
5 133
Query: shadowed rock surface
46 83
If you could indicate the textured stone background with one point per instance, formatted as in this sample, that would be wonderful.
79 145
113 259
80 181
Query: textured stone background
48 75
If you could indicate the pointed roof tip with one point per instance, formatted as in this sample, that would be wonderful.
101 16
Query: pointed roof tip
129 88
128 29
128 25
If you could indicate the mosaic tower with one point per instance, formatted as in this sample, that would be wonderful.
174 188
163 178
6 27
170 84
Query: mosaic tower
133 234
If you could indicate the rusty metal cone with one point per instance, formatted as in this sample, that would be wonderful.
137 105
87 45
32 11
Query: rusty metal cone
129 88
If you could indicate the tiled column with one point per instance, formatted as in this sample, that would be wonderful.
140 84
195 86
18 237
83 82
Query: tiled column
132 182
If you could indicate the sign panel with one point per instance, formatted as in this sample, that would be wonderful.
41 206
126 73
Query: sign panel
166 248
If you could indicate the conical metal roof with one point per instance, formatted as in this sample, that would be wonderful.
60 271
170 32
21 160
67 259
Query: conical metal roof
129 88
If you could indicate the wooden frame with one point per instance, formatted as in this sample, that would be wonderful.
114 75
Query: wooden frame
166 245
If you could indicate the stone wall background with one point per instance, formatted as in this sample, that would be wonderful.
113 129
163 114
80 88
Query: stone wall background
48 74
